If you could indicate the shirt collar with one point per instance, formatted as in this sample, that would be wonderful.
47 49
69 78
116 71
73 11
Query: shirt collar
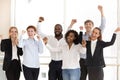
94 41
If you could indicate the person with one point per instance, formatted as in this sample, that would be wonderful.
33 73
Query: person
88 24
55 65
12 62
95 58
70 55
0 40
31 50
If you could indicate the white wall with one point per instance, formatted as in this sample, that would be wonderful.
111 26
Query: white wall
4 17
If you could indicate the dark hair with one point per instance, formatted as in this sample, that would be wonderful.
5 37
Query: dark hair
58 25
33 27
41 19
88 21
75 34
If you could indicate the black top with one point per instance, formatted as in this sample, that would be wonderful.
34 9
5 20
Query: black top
6 46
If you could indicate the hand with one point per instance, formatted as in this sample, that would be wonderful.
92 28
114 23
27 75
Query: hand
23 32
100 8
16 41
0 37
81 27
38 37
41 19
45 40
73 21
83 43
118 29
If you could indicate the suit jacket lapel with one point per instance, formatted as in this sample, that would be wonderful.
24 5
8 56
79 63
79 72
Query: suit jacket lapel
90 48
10 47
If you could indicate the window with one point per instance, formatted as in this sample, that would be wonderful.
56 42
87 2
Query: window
26 12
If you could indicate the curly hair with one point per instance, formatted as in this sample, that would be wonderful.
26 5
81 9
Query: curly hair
75 34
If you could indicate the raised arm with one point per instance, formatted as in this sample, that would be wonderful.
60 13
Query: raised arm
73 21
80 36
49 47
103 20
39 32
21 40
105 44
40 44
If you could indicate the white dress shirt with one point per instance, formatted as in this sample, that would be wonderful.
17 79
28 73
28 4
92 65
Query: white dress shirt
14 52
93 46
70 57
52 41
31 50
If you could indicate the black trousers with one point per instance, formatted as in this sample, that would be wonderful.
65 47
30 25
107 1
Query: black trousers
95 73
83 69
55 70
30 73
13 72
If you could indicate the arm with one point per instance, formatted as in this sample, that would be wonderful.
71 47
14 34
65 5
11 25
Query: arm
105 44
103 20
20 51
39 32
49 47
40 44
82 51
3 45
80 36
71 24
21 40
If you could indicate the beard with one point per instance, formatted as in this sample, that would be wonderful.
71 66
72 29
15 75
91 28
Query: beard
57 34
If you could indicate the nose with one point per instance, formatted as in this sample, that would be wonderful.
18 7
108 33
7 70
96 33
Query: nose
93 34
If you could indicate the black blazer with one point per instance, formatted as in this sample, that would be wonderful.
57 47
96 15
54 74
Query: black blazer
97 60
6 46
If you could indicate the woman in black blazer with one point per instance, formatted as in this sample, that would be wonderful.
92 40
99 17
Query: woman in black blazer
95 59
11 63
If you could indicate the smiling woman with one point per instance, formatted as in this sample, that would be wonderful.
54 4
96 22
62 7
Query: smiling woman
62 11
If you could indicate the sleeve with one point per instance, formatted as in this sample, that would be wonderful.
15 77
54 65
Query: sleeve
41 46
82 51
103 23
21 42
3 45
39 30
105 44
20 51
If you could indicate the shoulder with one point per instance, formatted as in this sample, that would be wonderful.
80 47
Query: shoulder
5 40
